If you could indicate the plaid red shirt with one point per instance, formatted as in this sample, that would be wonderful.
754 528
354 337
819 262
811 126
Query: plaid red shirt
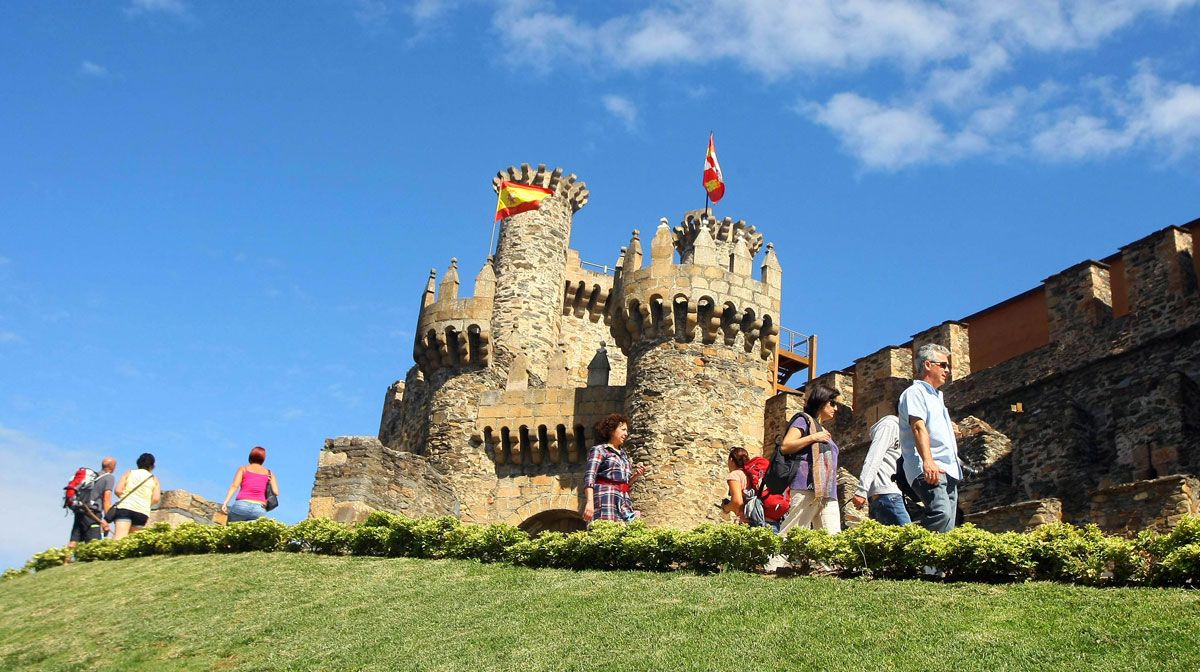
606 463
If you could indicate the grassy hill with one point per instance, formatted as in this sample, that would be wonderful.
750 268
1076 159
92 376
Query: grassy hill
259 611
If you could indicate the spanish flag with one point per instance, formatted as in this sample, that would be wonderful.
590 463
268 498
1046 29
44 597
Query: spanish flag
714 181
514 198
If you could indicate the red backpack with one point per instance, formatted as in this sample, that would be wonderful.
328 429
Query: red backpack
78 492
775 505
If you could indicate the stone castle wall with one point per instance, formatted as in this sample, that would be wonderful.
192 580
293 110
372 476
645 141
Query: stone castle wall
494 421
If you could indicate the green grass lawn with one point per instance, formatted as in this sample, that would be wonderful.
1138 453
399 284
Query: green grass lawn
258 611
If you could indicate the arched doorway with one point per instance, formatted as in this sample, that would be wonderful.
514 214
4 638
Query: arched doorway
554 520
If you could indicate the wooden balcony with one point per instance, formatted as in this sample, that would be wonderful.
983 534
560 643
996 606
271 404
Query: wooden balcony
795 353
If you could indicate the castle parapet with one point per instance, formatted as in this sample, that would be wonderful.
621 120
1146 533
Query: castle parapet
1160 273
569 188
724 233
1078 300
454 332
709 296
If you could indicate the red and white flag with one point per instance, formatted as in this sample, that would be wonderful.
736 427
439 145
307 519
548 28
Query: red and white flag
714 181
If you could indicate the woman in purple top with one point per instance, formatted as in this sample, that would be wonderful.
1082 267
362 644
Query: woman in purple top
251 483
814 500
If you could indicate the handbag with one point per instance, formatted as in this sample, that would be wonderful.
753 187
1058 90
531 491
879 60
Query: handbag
110 516
272 498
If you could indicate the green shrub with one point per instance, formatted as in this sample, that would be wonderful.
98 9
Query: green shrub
486 543
369 540
318 535
192 538
709 548
104 549
1155 548
51 557
545 550
1181 567
420 537
807 549
144 542
380 519
1070 554
971 554
874 550
264 534
13 573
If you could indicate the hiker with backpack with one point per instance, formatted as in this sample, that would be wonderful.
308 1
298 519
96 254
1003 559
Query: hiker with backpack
749 498
88 495
809 455
138 490
877 484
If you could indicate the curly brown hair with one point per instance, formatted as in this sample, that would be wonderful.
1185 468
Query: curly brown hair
609 424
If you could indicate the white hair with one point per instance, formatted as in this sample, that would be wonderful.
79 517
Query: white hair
924 353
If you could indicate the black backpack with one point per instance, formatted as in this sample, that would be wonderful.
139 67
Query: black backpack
783 467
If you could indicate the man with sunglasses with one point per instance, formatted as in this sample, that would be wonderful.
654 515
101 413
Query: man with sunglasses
927 440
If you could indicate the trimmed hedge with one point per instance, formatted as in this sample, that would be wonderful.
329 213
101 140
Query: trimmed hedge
1059 552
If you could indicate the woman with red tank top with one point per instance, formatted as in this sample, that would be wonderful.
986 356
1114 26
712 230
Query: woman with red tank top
250 483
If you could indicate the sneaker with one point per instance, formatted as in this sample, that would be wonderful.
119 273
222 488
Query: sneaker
776 563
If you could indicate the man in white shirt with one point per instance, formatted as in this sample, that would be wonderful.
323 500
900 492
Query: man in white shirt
927 440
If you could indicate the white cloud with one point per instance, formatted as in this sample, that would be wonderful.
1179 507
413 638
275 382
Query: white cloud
90 69
177 8
946 56
1146 112
882 137
10 337
623 109
32 481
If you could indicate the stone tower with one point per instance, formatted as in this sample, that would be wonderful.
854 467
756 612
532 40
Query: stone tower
700 339
531 271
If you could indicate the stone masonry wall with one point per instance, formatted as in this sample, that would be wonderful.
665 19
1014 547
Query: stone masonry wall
358 474
530 273
1156 504
176 507
1018 517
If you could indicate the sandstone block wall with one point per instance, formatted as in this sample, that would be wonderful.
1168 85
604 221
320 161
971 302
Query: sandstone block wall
176 507
1018 517
1156 504
358 474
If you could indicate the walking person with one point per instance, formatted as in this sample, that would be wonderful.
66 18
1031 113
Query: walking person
735 501
609 474
876 485
252 483
927 440
138 490
814 487
89 523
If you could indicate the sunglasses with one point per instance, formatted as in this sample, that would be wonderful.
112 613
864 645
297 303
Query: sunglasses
944 365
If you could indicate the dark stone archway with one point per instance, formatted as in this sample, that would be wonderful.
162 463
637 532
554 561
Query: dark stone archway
554 520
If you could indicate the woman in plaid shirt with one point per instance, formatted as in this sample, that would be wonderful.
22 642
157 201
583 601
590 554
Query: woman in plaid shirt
609 474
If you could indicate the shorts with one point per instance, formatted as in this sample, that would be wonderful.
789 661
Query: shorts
135 519
84 528
244 510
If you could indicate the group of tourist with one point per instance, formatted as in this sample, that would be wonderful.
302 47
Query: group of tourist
914 450
123 506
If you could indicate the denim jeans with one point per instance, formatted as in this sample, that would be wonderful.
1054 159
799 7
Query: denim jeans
941 502
889 510
242 510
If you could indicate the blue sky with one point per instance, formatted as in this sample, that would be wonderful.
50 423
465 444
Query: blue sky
216 219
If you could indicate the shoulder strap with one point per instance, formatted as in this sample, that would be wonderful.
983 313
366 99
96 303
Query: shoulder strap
132 490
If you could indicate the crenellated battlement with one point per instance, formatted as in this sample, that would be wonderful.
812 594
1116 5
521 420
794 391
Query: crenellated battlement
586 292
724 233
570 188
455 332
705 297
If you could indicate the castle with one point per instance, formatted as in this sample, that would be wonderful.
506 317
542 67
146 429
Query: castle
1078 400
